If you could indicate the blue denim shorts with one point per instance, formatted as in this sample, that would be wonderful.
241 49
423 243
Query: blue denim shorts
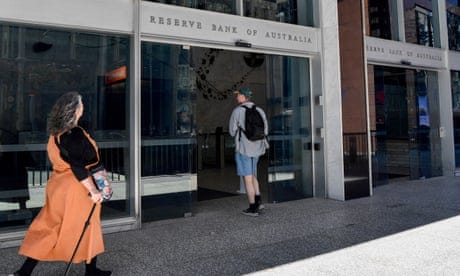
246 165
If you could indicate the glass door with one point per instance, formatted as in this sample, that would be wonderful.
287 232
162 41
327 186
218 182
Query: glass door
187 99
168 174
289 111
406 123
280 86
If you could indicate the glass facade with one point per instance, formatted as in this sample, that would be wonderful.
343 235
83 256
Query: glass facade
223 6
382 19
299 12
418 22
38 65
404 123
453 24
455 84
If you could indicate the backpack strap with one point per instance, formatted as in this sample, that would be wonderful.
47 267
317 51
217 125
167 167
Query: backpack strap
239 127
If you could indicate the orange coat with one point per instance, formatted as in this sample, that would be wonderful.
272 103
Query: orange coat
55 231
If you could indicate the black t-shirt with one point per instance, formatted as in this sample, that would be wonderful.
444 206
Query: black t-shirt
78 151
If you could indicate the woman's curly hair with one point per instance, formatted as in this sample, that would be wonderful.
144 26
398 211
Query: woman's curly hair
62 116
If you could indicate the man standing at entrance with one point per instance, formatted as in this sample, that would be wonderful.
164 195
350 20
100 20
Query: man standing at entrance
248 148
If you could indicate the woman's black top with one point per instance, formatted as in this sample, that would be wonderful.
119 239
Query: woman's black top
78 151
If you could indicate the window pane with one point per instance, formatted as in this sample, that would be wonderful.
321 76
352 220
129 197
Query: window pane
455 82
38 65
224 6
453 24
380 19
418 22
168 131
299 12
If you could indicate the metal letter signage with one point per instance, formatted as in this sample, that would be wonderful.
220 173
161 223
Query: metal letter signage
187 24
394 52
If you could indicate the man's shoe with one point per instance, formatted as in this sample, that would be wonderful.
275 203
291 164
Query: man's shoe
99 272
250 212
261 207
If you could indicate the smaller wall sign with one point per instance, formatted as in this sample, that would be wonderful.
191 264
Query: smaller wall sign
395 52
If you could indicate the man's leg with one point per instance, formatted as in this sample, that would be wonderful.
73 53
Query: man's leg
249 183
257 196
244 168
250 189
255 184
253 180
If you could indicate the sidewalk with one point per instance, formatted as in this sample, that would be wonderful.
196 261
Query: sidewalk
406 228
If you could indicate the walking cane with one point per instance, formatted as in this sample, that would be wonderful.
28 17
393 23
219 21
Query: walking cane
81 237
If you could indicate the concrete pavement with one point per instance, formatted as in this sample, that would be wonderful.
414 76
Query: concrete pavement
405 228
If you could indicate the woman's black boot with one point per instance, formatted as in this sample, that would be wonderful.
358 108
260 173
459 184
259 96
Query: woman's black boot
92 270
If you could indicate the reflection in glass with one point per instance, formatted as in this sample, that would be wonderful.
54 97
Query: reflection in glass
287 11
453 24
381 20
290 157
455 83
223 6
37 66
168 131
418 22
405 124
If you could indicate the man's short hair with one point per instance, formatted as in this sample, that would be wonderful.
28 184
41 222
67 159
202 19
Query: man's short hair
244 91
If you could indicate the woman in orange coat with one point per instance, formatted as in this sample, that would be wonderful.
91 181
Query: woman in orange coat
70 194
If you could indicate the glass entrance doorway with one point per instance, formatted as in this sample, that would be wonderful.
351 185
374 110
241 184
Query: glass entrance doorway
280 85
187 153
406 142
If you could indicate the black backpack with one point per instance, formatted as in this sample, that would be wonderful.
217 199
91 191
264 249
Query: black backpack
254 127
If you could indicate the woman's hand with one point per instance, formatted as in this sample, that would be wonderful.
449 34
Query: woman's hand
96 196
94 193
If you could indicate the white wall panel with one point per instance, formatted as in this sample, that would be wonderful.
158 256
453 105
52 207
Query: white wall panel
106 15
454 60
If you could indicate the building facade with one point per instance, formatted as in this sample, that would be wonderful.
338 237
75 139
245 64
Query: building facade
409 82
157 79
